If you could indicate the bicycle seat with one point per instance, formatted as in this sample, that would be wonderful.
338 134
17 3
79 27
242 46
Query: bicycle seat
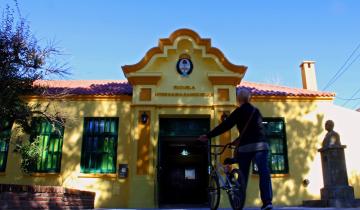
229 161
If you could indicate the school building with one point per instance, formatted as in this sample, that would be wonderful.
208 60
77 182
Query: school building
133 142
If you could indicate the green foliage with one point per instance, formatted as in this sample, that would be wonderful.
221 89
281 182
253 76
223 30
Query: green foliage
30 154
22 62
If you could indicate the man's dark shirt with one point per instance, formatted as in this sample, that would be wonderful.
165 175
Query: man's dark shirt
254 133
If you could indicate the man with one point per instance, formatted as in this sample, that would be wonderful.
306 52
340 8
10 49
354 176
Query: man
251 143
332 138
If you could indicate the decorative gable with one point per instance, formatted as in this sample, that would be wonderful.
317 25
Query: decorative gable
184 65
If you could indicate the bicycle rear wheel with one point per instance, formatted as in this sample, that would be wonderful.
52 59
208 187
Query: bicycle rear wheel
214 191
237 193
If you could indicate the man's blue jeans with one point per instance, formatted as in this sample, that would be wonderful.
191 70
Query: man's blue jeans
261 160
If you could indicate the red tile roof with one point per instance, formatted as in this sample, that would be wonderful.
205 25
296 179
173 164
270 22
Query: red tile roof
122 87
261 89
87 87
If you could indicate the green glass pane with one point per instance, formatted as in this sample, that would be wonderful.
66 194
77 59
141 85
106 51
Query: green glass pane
2 159
278 163
106 145
182 126
281 163
49 161
276 145
96 162
42 127
49 128
111 147
43 160
273 163
96 126
281 146
107 126
2 146
55 159
102 126
113 127
111 163
41 142
272 145
55 145
92 126
60 145
91 162
104 162
51 145
46 143
95 144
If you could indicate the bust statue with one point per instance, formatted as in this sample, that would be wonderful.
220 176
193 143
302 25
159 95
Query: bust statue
332 138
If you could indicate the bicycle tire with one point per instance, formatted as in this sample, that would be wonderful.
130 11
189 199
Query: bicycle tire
237 194
214 191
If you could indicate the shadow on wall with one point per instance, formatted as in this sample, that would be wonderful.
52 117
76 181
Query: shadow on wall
354 181
302 143
71 155
110 192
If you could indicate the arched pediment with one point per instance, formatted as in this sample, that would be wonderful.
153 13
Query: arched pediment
185 40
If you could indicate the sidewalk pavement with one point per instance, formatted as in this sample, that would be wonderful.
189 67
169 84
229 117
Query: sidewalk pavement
275 208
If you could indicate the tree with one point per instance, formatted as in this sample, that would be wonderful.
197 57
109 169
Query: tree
22 62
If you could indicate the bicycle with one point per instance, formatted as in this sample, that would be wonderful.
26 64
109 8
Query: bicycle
223 177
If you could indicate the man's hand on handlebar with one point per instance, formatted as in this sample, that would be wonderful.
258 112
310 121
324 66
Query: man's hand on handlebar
203 138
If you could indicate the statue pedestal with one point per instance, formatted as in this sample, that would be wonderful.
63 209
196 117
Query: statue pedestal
336 191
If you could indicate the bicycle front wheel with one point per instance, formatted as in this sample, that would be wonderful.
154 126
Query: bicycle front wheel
214 191
237 193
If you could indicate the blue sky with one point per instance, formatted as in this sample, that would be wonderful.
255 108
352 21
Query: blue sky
270 37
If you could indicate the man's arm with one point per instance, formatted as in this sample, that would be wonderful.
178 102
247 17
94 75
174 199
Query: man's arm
226 125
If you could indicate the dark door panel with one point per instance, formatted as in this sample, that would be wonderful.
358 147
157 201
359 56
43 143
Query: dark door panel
182 165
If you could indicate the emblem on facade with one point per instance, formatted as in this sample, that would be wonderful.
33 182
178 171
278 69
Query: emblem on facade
184 65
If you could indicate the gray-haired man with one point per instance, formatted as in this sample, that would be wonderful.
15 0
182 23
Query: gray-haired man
251 145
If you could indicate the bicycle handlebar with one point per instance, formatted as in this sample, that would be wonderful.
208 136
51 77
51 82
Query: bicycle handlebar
224 147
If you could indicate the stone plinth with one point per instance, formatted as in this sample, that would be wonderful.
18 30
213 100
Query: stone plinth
336 191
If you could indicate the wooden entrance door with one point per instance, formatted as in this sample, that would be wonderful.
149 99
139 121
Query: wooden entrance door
183 164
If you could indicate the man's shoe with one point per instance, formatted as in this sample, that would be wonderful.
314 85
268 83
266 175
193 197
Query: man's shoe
267 207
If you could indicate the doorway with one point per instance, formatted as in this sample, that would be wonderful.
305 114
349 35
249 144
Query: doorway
182 162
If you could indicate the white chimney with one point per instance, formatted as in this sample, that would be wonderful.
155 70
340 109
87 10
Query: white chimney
308 75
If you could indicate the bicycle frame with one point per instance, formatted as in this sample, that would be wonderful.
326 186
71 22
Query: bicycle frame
218 167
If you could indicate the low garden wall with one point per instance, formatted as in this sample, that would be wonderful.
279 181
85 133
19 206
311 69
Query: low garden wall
14 197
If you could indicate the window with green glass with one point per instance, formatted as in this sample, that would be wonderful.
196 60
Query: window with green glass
4 145
99 145
276 134
50 140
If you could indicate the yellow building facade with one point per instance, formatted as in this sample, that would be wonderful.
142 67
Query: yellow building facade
179 90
